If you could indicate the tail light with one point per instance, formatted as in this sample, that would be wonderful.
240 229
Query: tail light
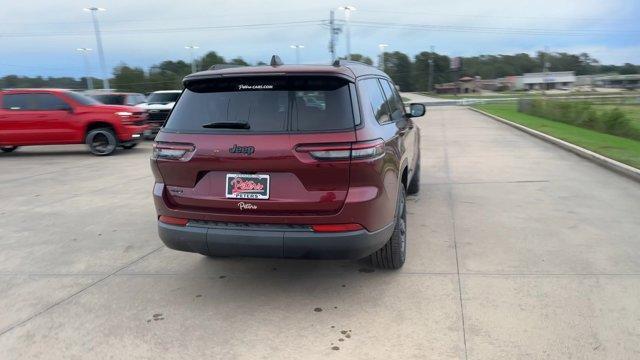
172 151
367 149
344 151
336 227
170 220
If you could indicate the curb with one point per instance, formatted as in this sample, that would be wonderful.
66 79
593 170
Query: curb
603 161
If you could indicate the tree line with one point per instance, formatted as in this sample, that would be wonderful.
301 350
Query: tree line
410 74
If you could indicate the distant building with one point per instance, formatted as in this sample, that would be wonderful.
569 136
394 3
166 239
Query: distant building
631 81
500 84
464 85
548 80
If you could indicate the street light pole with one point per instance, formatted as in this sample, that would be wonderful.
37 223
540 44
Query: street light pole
297 48
381 56
193 60
87 67
347 15
96 28
430 87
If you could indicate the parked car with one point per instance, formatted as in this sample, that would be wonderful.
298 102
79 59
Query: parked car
119 98
248 165
52 117
159 105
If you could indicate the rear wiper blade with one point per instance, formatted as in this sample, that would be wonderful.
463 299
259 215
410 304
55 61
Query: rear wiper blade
227 125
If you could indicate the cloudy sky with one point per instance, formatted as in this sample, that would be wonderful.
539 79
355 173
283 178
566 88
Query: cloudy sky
40 37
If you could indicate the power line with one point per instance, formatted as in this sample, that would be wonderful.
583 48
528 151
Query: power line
485 29
485 16
168 30
360 23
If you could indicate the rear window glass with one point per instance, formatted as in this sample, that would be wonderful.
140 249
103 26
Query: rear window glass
264 104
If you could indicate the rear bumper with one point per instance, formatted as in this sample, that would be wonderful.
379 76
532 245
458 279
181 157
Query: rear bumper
271 241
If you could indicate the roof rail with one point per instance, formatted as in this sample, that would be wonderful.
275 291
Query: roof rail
224 66
343 62
276 61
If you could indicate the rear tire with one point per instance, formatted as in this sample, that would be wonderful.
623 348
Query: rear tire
102 141
414 184
392 255
8 149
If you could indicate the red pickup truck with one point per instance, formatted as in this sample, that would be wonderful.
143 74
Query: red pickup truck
56 117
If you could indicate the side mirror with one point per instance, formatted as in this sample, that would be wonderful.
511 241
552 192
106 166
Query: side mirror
416 110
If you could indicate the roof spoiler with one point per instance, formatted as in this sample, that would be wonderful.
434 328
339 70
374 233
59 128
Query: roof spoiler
276 61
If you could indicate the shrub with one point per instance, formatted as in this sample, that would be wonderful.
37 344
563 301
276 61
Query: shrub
582 114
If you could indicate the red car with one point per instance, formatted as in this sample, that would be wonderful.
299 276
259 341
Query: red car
288 161
52 117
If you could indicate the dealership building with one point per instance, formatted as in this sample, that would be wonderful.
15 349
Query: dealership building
546 80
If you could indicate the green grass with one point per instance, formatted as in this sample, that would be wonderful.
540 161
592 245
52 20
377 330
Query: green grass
624 150
519 94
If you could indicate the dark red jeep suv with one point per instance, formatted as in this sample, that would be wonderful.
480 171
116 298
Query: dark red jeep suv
288 161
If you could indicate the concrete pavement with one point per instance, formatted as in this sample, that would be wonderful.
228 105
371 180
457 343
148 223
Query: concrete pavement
517 250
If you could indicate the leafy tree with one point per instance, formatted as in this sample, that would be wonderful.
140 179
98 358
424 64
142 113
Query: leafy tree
627 69
399 67
239 61
441 72
361 58
126 78
211 58
409 74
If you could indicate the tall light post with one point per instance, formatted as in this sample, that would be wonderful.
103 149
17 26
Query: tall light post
430 85
96 28
193 59
87 67
347 15
381 57
297 48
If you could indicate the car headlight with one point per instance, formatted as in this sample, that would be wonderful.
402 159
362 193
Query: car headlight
124 113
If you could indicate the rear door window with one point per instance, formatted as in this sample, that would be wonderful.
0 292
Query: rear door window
394 100
375 103
18 102
264 104
49 102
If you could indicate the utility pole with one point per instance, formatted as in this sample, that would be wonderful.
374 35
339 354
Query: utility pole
193 59
347 15
297 48
96 28
87 67
381 56
545 69
332 35
431 56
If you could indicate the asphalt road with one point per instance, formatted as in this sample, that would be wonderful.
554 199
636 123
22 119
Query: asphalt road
517 250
